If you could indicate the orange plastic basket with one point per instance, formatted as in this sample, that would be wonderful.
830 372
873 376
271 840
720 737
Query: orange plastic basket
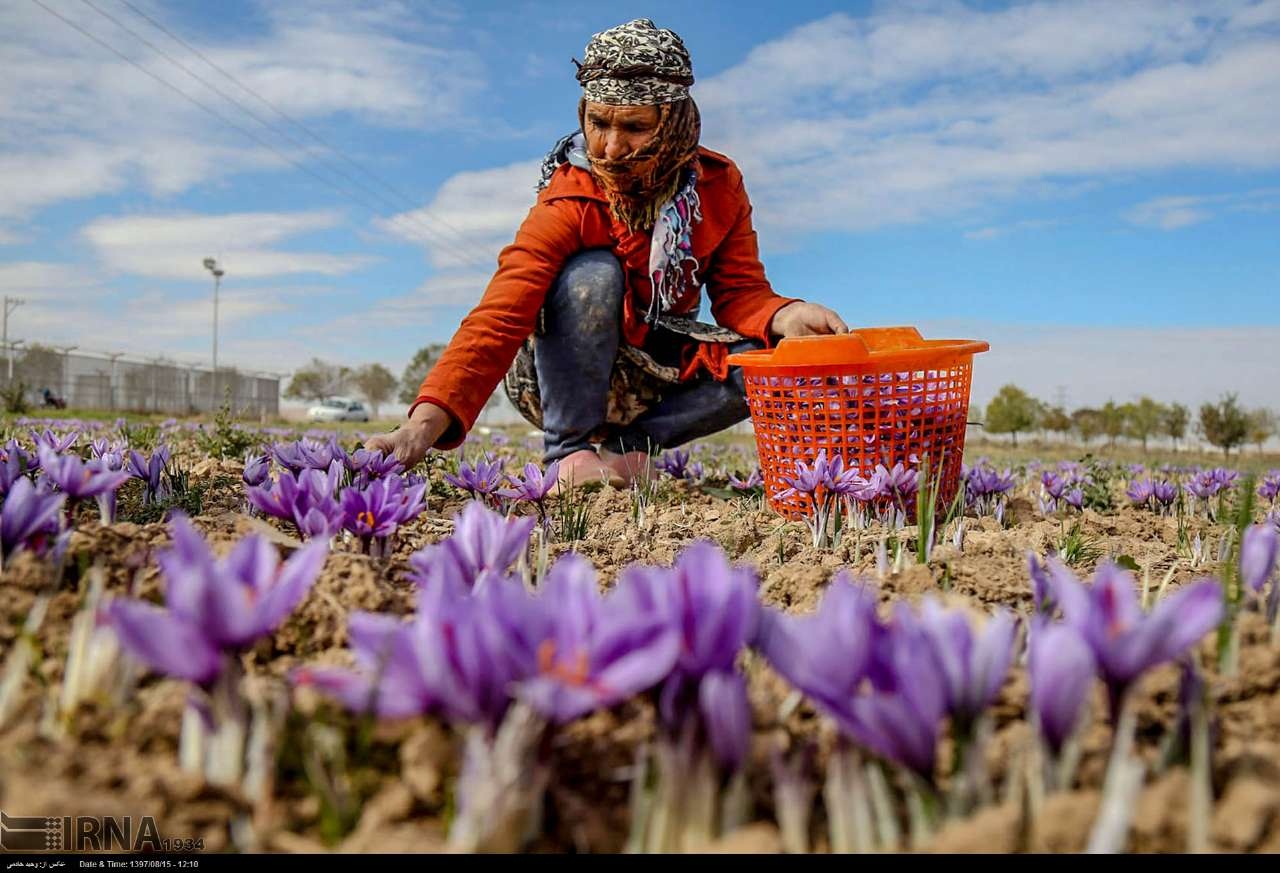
873 396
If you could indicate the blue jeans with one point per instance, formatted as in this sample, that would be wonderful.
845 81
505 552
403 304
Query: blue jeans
574 358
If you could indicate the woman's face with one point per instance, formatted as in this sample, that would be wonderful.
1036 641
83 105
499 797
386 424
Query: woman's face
614 132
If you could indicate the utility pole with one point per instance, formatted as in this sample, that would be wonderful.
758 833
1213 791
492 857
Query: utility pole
114 356
13 346
211 265
63 378
10 304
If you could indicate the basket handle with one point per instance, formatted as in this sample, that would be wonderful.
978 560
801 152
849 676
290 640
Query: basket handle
853 347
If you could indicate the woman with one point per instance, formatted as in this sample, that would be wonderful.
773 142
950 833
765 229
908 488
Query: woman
591 314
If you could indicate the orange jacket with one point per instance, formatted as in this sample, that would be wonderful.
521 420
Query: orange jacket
571 215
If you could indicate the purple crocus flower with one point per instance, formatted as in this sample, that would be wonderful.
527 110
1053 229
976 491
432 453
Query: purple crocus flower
1054 485
389 678
81 481
374 512
984 480
1061 667
51 440
1074 498
459 657
674 463
306 455
1204 485
1269 487
29 519
102 447
808 480
828 653
151 472
534 486
308 501
257 470
903 482
1049 583
213 606
12 469
1165 493
1258 549
753 481
1127 642
369 464
476 648
714 608
483 543
14 452
1140 492
973 666
594 651
1225 478
901 717
481 481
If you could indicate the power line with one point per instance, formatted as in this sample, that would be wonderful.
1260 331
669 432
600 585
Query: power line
282 114
218 115
439 238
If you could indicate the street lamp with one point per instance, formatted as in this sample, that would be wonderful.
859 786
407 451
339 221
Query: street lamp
211 265
62 379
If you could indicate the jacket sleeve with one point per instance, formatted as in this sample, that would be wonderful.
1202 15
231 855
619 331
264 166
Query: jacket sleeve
741 296
480 353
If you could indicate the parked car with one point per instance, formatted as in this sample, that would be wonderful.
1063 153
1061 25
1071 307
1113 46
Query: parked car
339 409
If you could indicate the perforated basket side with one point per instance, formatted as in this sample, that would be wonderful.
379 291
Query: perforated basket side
865 414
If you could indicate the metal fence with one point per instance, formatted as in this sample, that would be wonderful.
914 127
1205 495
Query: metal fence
84 380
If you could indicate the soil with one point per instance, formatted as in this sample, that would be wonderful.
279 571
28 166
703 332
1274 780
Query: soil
399 776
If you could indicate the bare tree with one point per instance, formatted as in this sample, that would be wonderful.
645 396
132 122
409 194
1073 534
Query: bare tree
376 383
317 380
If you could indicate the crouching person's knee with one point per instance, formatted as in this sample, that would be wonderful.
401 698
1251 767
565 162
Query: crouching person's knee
591 286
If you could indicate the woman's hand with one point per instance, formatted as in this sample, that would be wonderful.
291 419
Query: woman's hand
411 442
805 319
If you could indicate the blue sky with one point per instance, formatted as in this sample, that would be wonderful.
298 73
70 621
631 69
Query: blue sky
1093 187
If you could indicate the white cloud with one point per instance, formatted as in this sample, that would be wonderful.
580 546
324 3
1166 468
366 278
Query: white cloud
76 121
998 231
935 109
44 279
1169 213
174 246
472 216
1173 213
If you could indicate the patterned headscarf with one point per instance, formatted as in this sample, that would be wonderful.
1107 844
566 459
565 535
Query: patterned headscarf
654 188
635 64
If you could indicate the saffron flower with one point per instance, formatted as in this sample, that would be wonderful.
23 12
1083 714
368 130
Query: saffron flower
374 512
213 606
483 544
28 519
674 463
1258 556
481 481
1127 642
81 481
1061 669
